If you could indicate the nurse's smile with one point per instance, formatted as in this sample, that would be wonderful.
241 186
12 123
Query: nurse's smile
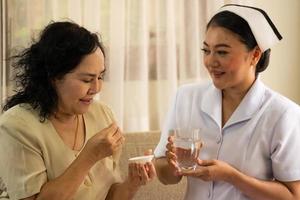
217 74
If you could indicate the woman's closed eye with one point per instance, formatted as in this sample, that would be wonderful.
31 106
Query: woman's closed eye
87 80
89 77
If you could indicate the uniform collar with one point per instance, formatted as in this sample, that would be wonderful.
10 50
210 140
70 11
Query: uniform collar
251 103
212 104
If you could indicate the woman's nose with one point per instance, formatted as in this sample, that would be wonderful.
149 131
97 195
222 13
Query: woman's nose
95 87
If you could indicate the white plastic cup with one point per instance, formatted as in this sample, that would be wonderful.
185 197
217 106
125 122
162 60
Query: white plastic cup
141 159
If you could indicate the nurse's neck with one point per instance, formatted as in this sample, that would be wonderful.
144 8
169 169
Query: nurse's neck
235 96
237 93
231 98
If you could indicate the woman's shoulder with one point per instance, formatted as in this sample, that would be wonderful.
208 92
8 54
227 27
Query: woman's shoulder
19 113
22 123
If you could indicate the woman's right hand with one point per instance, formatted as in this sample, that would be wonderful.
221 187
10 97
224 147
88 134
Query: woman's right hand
105 143
171 156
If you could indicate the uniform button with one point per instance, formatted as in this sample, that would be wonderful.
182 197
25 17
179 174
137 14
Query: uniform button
219 139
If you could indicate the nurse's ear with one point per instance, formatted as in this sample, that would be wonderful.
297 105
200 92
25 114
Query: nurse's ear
256 54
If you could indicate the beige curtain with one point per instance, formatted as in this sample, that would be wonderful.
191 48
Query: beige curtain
152 47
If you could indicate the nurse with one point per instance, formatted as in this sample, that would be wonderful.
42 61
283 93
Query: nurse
251 134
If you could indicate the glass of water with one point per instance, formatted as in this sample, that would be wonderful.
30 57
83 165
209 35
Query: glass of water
187 144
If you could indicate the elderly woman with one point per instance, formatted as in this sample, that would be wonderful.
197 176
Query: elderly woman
56 142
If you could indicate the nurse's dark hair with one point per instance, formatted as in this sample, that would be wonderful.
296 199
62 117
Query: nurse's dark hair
60 48
239 26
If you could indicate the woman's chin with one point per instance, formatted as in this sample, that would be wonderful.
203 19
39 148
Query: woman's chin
82 109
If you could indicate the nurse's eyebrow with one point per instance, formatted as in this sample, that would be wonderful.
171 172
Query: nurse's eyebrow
218 45
223 45
205 44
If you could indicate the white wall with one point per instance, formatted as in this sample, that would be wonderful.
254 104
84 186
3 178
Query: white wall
283 73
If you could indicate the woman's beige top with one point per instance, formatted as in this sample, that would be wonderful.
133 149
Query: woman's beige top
32 153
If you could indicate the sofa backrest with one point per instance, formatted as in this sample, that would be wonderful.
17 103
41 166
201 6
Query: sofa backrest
3 193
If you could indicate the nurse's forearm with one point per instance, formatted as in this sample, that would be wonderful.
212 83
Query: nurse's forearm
65 186
164 172
265 190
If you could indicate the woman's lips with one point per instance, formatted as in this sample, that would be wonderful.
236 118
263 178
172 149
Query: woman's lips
86 101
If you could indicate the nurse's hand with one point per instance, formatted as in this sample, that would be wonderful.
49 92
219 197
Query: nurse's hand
171 156
211 170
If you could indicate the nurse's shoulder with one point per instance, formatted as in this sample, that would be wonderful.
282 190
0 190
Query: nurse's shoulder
281 105
192 89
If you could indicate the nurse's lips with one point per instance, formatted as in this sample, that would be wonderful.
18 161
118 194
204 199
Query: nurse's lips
217 74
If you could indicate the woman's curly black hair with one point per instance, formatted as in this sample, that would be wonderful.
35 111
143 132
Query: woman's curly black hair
60 48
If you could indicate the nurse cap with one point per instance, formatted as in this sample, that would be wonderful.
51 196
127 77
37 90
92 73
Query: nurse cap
263 29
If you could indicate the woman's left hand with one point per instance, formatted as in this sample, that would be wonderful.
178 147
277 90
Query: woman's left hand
211 170
140 174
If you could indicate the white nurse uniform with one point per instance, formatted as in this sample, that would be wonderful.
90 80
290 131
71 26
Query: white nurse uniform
261 138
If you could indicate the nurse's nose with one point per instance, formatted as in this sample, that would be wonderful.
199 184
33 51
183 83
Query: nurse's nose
210 60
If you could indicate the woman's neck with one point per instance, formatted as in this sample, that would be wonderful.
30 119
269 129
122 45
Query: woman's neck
63 117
